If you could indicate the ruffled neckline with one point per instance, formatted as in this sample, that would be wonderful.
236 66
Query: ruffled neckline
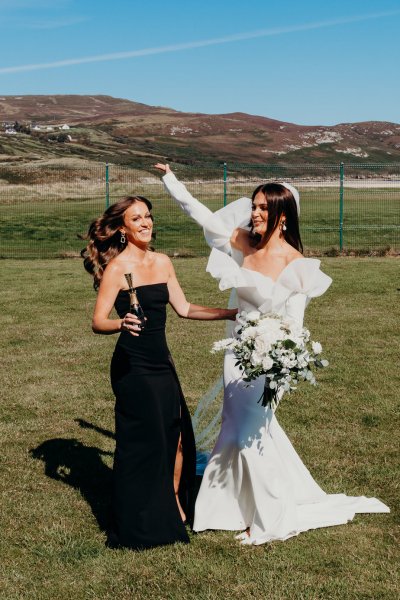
281 273
301 275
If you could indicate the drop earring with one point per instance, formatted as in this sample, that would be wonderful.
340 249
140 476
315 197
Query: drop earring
282 227
123 239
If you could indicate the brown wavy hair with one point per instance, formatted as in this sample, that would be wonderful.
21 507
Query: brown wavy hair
280 201
105 237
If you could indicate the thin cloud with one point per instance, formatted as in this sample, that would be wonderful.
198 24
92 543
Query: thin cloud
18 4
54 24
191 45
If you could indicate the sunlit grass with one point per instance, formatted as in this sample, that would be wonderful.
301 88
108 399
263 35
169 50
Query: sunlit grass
56 424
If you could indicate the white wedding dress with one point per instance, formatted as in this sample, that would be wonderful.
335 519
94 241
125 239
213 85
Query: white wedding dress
254 478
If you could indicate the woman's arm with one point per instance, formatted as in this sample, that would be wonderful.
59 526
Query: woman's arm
109 288
187 310
220 230
195 209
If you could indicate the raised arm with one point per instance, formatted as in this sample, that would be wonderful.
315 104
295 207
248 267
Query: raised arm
188 310
219 227
195 209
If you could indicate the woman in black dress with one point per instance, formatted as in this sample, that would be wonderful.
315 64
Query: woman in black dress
154 462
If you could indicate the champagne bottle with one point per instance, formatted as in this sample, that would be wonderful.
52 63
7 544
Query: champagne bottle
135 307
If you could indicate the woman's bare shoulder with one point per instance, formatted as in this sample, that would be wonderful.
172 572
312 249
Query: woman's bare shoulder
293 255
160 259
115 264
162 263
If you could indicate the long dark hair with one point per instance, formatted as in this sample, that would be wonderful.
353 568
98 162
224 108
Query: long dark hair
105 237
280 201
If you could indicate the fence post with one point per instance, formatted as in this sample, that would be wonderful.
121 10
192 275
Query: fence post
107 188
225 170
341 206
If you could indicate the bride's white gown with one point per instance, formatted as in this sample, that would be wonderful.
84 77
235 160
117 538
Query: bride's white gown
254 477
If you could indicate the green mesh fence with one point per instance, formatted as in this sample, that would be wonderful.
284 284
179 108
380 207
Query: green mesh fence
45 210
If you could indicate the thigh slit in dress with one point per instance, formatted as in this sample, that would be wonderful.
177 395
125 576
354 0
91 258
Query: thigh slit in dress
150 415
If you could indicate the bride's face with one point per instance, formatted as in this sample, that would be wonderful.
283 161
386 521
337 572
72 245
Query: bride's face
138 225
259 214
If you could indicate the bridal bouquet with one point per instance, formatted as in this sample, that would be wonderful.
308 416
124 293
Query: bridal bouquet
270 345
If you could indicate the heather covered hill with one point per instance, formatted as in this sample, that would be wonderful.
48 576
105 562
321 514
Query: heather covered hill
102 128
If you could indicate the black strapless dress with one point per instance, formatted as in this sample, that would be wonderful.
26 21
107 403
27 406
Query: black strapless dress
150 414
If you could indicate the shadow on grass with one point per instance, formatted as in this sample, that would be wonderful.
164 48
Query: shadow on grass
81 467
86 425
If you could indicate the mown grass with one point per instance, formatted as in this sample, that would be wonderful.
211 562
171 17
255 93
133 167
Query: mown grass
56 423
46 221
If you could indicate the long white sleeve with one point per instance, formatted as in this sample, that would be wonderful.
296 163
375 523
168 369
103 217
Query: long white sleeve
219 226
192 207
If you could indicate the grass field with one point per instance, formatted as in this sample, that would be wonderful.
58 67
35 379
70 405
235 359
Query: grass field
45 220
56 420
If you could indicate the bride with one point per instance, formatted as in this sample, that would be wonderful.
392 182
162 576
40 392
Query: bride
255 481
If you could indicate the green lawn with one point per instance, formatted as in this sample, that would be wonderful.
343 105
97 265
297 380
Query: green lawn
56 419
45 221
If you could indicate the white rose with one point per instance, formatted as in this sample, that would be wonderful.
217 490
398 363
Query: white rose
267 363
261 329
260 345
316 347
249 332
256 359
253 315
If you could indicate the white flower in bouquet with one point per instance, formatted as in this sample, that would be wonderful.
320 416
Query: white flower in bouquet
223 345
316 347
279 349
256 359
249 332
267 363
253 315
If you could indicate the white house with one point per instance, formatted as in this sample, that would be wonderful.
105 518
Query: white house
65 127
11 131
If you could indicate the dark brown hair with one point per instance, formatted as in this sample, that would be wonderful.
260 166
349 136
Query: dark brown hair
280 201
105 237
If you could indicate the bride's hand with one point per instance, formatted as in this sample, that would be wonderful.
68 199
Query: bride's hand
162 167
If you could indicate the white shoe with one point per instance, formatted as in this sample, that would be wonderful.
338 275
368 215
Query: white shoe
243 536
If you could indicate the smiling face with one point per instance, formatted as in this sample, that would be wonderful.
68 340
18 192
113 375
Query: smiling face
259 214
138 224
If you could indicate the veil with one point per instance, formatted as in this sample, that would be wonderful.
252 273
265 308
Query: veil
206 419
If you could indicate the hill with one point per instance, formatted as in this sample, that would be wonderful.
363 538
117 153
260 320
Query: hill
103 128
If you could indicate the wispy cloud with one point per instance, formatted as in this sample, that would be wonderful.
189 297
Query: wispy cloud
52 23
18 4
38 18
192 45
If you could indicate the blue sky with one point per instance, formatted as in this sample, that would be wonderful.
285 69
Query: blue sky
305 62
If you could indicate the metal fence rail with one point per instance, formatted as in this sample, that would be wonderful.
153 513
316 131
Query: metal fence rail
45 210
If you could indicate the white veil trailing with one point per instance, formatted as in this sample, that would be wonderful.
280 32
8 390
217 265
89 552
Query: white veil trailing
206 419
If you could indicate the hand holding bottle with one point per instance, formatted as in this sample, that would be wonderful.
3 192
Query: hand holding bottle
136 311
132 324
